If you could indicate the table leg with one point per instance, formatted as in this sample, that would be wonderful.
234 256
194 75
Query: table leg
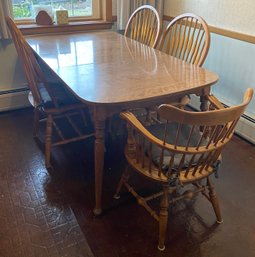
99 164
204 100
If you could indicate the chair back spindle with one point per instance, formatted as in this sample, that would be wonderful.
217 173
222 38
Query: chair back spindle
187 144
186 37
144 25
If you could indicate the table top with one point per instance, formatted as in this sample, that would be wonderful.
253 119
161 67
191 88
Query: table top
105 67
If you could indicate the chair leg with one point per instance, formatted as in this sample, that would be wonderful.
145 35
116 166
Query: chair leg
163 218
36 122
124 178
48 142
214 201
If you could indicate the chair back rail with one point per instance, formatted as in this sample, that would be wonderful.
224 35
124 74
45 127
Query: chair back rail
186 37
144 25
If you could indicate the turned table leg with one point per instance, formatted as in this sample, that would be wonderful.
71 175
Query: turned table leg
204 100
99 165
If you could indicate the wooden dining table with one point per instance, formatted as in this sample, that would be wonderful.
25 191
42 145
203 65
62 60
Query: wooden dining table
111 73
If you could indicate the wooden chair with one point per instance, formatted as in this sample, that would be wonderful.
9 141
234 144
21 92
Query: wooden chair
186 37
63 113
144 25
184 149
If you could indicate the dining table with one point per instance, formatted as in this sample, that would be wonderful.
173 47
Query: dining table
110 73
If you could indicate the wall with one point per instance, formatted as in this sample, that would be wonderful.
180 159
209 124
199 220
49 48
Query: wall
227 14
11 74
233 60
12 81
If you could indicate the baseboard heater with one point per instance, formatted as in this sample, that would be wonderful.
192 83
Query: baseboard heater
11 99
245 127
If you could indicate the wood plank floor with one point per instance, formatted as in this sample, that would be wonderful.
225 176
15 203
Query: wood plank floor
49 213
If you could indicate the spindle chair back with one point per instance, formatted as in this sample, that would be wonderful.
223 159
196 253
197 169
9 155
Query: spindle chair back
144 25
187 37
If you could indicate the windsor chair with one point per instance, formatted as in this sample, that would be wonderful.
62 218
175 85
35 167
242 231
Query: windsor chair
182 150
64 114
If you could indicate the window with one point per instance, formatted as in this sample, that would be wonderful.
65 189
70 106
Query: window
28 9
98 12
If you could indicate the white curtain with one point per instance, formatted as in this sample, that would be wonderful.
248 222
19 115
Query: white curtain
5 10
126 7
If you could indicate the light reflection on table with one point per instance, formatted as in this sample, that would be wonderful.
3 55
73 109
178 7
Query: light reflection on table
66 54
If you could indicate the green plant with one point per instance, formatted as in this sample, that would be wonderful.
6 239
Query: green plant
22 11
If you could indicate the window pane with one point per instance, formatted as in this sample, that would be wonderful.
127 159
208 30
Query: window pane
27 9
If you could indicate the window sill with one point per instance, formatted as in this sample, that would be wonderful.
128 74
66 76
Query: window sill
75 26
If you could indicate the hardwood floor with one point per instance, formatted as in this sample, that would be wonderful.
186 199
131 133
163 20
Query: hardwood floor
49 213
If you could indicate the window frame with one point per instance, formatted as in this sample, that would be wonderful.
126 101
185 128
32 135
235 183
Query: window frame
102 20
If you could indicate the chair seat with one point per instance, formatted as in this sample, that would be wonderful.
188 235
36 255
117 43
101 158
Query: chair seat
61 95
177 171
158 131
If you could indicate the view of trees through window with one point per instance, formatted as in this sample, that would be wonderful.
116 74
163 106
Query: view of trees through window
26 9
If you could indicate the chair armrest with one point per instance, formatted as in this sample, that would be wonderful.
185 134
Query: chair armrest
135 123
215 102
181 103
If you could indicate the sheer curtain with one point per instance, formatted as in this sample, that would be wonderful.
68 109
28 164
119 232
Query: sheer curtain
126 7
5 10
